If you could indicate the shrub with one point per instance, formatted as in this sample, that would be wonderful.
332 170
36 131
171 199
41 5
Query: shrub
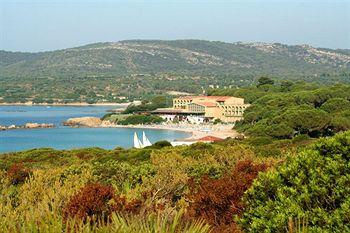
196 150
315 186
160 144
17 174
133 156
141 119
300 138
112 172
260 141
339 123
216 201
170 179
92 201
96 202
198 170
120 174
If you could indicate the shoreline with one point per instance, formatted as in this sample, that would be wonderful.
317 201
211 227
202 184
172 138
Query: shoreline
196 131
67 104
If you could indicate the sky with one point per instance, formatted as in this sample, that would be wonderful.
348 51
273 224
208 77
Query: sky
42 25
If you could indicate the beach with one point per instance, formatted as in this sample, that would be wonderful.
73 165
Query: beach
197 131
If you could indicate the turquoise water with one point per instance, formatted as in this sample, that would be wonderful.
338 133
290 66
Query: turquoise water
63 137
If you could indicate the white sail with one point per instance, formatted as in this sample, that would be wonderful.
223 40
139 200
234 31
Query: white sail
145 140
137 142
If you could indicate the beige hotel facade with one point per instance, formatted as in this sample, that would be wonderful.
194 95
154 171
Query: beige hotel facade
225 108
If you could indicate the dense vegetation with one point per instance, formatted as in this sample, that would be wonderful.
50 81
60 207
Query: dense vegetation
140 119
114 89
271 181
224 187
179 56
124 71
290 109
312 188
129 188
266 182
149 105
140 114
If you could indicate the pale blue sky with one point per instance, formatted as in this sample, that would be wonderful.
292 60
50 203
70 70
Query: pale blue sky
40 25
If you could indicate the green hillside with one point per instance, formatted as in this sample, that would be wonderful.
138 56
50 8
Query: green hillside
180 56
102 72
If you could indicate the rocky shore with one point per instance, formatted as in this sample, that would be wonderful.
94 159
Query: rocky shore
27 126
90 122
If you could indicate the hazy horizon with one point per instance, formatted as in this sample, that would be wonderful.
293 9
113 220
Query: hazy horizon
34 25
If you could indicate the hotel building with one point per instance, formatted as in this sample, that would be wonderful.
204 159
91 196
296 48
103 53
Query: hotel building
205 108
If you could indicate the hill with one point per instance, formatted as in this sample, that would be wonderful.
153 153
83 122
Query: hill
179 56
106 72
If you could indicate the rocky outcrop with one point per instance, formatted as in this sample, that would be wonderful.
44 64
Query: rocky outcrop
27 126
36 125
91 122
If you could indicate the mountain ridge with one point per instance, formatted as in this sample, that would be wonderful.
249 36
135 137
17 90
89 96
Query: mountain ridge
176 56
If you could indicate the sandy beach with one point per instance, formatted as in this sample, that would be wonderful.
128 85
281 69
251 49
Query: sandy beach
196 131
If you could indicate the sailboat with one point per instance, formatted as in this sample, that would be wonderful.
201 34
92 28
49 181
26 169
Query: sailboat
145 140
137 142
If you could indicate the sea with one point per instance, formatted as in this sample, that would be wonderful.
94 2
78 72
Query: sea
63 137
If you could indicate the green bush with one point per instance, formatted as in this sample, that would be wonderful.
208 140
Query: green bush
314 186
152 104
340 123
260 141
160 144
141 119
336 105
112 172
300 138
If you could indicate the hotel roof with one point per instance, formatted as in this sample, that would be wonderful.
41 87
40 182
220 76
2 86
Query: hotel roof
220 97
210 138
206 104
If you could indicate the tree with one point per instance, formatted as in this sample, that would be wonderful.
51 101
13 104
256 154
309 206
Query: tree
311 187
280 131
305 121
265 80
159 101
339 123
286 85
336 105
